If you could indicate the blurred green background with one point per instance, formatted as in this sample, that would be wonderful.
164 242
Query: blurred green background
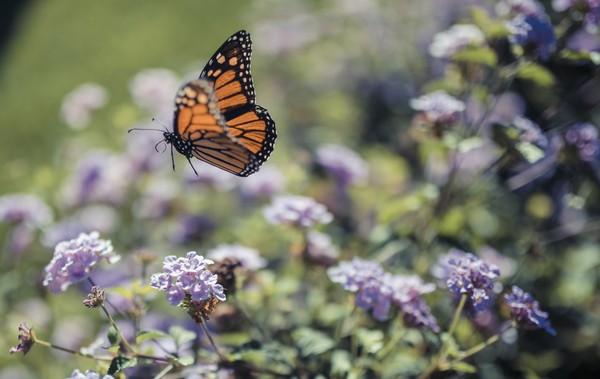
53 47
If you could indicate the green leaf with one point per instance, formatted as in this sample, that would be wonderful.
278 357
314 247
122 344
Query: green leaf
312 342
491 28
113 336
451 346
537 74
480 55
181 336
530 152
120 363
181 361
577 56
461 366
145 335
371 340
452 222
341 363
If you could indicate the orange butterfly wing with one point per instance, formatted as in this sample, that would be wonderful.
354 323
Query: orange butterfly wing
229 72
201 127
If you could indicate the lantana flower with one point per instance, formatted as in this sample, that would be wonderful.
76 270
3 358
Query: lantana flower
74 260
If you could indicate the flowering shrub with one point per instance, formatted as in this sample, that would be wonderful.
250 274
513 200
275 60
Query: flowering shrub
473 178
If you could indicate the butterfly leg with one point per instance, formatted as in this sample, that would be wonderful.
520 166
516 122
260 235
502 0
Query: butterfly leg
193 168
172 158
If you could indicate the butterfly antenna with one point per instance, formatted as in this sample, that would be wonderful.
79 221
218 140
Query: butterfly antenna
154 119
155 130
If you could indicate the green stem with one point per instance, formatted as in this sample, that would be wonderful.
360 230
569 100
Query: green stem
74 352
392 343
441 363
212 342
114 325
457 313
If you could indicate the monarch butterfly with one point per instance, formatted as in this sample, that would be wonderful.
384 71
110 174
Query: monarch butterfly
216 117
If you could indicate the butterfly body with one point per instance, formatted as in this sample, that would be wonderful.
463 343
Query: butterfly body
216 117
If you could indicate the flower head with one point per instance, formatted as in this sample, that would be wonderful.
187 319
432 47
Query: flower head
88 374
584 137
320 249
187 276
78 104
249 258
377 290
153 89
534 34
457 38
95 298
588 10
525 311
24 209
530 132
298 211
406 293
210 176
438 107
195 227
471 276
74 260
100 176
26 340
513 8
343 163
265 183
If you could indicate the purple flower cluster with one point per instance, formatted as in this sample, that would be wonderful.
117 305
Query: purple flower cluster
24 209
377 290
320 248
584 136
525 311
26 340
74 260
210 176
78 104
438 107
88 374
512 8
100 176
590 9
530 132
455 39
469 275
153 89
265 183
187 276
343 163
534 34
298 211
248 257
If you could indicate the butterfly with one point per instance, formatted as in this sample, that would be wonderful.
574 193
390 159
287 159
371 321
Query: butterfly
216 117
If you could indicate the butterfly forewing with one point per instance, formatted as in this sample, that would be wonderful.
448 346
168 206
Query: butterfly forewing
229 71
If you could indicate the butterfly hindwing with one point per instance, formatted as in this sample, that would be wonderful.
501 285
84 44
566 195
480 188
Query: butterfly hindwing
199 123
255 129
